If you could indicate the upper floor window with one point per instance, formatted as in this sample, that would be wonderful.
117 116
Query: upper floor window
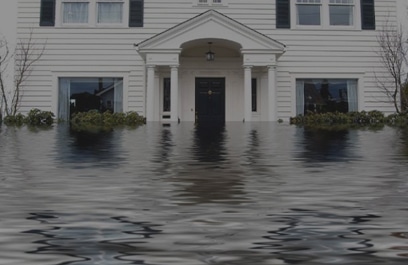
110 12
92 12
324 14
341 12
308 12
79 11
75 12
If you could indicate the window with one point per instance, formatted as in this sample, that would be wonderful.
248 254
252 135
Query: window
83 94
166 94
254 95
110 12
210 2
326 95
325 14
341 12
92 13
75 12
308 12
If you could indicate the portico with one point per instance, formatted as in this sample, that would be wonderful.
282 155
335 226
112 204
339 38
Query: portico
242 55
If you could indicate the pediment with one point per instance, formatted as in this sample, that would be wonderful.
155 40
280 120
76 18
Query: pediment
210 25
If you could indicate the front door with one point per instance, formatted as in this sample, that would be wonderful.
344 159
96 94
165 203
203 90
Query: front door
210 101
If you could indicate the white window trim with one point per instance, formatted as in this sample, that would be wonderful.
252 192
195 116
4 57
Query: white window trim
92 16
325 17
56 75
360 77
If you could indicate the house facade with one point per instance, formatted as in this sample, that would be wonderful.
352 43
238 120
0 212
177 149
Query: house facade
207 60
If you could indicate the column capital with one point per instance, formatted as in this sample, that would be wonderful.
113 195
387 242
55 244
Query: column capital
174 66
271 67
246 66
150 66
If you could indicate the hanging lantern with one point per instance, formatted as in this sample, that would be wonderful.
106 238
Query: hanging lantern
210 56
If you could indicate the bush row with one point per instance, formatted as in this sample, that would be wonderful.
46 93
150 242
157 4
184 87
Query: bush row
94 120
79 121
363 118
35 117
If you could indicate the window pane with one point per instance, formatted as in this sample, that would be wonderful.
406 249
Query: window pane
254 95
166 94
308 14
110 12
341 15
75 12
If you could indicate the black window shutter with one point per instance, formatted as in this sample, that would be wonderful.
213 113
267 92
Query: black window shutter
367 14
283 14
136 12
47 13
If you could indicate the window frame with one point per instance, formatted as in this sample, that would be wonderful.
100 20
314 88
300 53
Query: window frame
92 15
63 2
353 5
349 79
64 81
305 3
109 1
325 16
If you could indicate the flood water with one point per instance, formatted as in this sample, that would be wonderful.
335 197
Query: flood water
245 194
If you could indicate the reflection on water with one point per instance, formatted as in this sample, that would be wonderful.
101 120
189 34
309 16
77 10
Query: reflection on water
325 145
238 194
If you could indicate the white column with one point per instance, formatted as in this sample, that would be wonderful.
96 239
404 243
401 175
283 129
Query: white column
272 93
174 94
247 93
150 93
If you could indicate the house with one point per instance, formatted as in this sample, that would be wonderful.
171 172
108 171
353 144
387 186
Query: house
209 60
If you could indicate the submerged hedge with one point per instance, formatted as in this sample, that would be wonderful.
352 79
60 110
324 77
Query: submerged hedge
35 117
352 119
81 121
96 121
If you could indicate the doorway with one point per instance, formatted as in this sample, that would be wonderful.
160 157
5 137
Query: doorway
210 100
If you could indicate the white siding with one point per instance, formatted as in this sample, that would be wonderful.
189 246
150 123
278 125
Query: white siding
110 51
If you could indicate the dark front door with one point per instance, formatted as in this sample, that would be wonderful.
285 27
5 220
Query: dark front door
210 101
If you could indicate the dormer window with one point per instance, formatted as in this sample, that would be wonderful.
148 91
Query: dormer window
210 2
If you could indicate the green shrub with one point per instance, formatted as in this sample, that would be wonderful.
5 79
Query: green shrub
399 120
133 118
94 121
354 118
37 117
17 120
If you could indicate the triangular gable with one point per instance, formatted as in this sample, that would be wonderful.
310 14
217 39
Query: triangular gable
210 25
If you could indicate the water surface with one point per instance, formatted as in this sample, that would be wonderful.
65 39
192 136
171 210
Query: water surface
261 193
